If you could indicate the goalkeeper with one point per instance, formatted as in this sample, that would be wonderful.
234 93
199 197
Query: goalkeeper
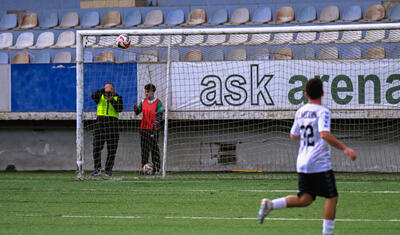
150 126
109 105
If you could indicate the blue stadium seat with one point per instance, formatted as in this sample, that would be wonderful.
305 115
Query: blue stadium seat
236 39
163 55
8 21
132 18
220 16
257 39
3 58
24 40
328 14
41 58
350 37
303 53
69 20
153 18
394 14
6 40
307 14
239 16
394 53
372 36
149 56
174 17
394 36
215 54
258 53
262 15
127 56
192 40
88 57
309 53
305 37
65 39
44 40
63 57
48 20
354 52
89 19
352 13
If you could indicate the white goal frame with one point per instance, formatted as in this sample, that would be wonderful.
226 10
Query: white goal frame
183 31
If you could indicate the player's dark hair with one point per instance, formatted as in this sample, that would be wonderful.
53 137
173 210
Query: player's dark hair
314 88
109 83
150 87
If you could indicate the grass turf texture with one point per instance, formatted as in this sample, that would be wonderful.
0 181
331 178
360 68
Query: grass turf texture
55 203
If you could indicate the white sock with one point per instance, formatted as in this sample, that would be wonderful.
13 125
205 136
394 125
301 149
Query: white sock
328 226
278 203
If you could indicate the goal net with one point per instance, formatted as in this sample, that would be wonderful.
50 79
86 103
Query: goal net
229 95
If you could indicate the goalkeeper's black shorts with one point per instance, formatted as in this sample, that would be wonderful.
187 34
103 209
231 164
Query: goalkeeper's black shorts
321 184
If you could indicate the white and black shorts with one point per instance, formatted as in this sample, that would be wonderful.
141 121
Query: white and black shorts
321 184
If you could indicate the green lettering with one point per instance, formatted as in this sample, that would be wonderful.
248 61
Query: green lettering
361 88
335 89
292 92
389 93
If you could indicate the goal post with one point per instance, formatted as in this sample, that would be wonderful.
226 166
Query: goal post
230 111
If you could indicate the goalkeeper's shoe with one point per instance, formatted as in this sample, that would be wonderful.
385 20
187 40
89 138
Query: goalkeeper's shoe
96 172
109 173
265 208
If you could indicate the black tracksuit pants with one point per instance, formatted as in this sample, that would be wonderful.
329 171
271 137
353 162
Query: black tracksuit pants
106 130
149 143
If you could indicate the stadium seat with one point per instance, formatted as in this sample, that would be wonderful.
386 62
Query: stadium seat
193 56
327 37
305 37
329 53
6 40
238 54
262 15
376 52
214 39
372 36
132 18
374 13
63 57
45 39
352 13
153 18
88 57
196 17
307 14
149 56
148 41
42 58
281 38
350 37
303 53
24 40
257 39
89 19
89 41
215 54
3 58
394 15
283 53
105 41
394 53
21 58
29 21
259 53
163 55
236 39
394 36
174 17
65 39
309 53
110 19
354 52
284 15
219 16
8 21
175 40
127 56
193 40
239 16
48 20
106 57
328 14
69 20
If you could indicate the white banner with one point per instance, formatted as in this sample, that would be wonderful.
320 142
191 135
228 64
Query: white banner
278 85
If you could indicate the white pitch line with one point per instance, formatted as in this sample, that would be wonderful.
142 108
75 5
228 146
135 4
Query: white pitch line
295 191
104 216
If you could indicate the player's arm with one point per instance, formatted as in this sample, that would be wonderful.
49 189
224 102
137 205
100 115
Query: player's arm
117 104
333 141
97 95
138 108
295 130
159 114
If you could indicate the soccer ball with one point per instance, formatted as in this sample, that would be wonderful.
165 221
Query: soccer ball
147 169
122 41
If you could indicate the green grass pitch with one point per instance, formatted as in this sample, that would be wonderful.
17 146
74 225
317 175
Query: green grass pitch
55 203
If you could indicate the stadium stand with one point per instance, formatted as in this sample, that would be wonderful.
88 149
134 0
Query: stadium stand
354 52
284 15
148 41
63 57
328 14
281 38
8 21
374 13
153 18
262 15
327 37
193 55
29 21
329 53
352 13
350 37
45 40
69 20
89 19
394 53
217 54
24 40
394 36
192 40
394 15
149 56
106 57
132 18
163 55
174 17
219 16
89 41
283 53
104 41
238 54
372 36
257 39
65 39
21 58
236 39
6 40
43 57
258 53
88 57
376 52
305 38
239 16
307 14
48 20
214 39
196 17
110 19
175 40
3 58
